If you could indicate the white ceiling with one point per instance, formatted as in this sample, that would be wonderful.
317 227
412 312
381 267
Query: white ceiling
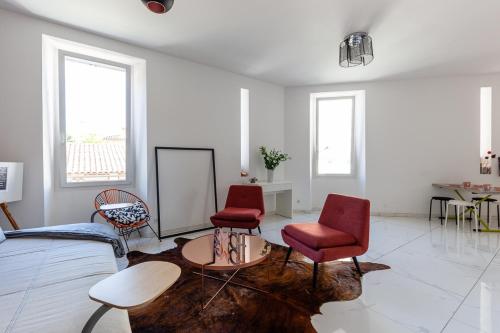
295 42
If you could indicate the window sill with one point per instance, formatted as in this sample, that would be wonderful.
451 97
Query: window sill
331 175
97 184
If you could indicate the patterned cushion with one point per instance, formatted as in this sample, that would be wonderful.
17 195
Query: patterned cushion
129 215
318 236
238 214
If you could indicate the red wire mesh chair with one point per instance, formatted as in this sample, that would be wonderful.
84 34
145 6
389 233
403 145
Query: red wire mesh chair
115 196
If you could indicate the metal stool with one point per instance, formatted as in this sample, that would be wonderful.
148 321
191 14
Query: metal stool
479 202
498 214
442 204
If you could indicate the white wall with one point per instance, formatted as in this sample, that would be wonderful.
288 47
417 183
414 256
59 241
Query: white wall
188 105
417 132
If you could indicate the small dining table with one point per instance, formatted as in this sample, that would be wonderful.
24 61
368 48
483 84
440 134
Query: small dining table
485 194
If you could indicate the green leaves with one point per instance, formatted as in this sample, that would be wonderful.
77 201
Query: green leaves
273 157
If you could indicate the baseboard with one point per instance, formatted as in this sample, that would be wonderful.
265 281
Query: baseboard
392 214
295 211
307 211
386 214
149 233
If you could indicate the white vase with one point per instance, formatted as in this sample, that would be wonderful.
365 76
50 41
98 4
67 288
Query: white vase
270 176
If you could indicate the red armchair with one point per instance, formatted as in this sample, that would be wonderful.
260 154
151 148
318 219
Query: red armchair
343 231
244 208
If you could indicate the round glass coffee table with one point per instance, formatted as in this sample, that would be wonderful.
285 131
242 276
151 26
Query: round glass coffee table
203 253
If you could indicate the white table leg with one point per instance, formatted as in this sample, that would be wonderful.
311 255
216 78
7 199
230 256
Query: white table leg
284 203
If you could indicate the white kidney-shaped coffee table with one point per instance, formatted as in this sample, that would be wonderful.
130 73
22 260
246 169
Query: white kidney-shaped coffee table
199 252
131 288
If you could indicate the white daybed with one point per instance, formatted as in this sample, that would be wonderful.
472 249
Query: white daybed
44 285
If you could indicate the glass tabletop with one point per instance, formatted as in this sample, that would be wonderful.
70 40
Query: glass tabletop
223 254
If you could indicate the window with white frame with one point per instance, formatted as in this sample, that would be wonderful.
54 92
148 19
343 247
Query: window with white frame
334 135
94 120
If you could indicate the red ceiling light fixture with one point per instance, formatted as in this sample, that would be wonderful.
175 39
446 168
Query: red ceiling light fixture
158 6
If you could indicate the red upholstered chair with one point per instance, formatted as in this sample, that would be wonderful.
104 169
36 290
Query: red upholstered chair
244 208
343 231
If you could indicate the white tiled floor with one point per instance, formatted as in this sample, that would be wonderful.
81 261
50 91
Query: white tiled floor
440 281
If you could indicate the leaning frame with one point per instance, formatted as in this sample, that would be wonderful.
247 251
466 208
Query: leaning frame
160 237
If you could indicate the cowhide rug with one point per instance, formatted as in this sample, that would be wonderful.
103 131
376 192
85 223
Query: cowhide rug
287 308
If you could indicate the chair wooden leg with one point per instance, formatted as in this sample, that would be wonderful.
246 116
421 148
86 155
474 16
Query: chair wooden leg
315 274
288 255
250 231
260 232
356 263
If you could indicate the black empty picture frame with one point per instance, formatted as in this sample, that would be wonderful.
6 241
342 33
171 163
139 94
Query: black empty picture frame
157 149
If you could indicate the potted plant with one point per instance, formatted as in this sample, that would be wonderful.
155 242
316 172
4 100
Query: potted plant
272 158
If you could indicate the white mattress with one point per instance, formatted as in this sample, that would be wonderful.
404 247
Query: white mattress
44 286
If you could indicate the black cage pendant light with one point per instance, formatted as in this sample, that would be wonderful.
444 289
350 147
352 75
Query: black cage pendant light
158 6
356 49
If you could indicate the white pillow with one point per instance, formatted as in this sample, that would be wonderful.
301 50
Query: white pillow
2 236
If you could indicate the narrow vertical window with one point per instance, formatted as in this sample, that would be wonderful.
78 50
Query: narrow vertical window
485 121
334 136
245 131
